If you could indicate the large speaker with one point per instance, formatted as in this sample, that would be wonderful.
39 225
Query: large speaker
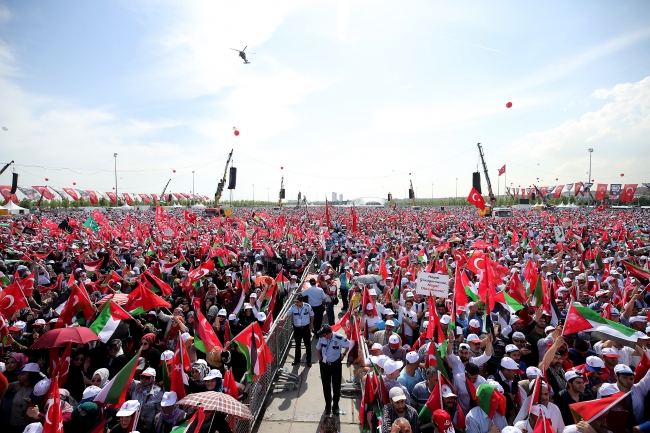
532 195
442 208
390 197
524 201
476 181
169 198
411 194
232 181
14 183
282 193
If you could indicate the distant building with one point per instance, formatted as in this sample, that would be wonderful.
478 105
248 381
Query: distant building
340 197
333 196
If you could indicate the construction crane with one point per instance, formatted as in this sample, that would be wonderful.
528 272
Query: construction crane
222 182
493 199
281 195
162 195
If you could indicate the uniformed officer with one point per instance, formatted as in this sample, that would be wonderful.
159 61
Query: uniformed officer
330 354
316 299
302 316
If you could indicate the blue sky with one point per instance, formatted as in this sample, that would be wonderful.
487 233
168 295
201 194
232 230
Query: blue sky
346 96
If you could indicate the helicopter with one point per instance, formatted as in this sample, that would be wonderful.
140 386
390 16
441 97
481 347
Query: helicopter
242 54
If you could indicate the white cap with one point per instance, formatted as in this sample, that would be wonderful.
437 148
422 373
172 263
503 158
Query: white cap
473 338
533 372
393 339
372 292
222 312
185 336
445 319
539 409
412 357
19 325
90 392
635 319
31 367
447 392
253 295
519 335
514 319
511 429
39 322
623 369
214 374
166 355
169 399
391 366
376 346
496 384
511 348
549 328
388 311
509 364
389 322
396 394
595 363
261 316
35 427
474 323
607 389
370 306
42 387
128 408
379 360
149 372
572 374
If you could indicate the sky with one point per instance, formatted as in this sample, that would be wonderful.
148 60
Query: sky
360 98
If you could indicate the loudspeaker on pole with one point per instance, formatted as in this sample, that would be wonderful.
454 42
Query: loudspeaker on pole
14 183
476 181
232 181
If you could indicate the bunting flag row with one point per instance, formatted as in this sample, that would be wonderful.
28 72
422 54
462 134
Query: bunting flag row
624 192
35 193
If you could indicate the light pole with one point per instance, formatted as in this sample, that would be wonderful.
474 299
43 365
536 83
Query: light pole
116 199
193 190
432 192
253 193
267 194
591 150
456 188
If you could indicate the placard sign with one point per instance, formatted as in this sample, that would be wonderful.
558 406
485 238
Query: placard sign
559 234
432 285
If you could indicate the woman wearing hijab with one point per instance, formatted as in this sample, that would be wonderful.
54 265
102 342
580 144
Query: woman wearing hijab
100 378
14 364
116 358
149 351
198 373
214 381
85 418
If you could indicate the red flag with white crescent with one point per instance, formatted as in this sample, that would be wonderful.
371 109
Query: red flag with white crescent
476 199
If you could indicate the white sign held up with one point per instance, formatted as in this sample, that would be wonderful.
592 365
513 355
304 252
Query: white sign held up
432 284
559 234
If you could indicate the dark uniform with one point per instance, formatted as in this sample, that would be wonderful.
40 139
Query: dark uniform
329 347
301 318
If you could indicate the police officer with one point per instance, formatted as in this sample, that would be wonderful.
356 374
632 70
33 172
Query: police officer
330 355
302 316
316 300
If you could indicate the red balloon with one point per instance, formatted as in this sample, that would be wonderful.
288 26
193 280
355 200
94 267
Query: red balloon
74 183
174 171
556 178
46 179
622 174
236 132
509 104
409 174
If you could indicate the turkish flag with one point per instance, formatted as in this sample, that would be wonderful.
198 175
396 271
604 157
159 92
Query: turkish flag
601 191
178 377
627 195
111 195
502 170
558 191
189 216
54 417
476 199
127 198
12 300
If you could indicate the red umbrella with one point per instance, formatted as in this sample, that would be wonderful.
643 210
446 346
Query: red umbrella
62 336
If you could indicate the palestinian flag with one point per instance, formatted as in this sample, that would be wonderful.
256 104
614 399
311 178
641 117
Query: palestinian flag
114 392
192 425
252 344
422 256
155 284
110 323
581 318
594 409
434 401
637 271
91 224
169 266
490 400
92 266
508 301
205 339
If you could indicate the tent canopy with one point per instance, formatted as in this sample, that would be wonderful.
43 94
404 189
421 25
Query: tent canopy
13 208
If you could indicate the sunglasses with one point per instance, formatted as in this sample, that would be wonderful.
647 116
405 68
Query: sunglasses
96 380
144 343
519 341
80 358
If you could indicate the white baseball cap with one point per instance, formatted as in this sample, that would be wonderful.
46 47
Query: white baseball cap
169 399
390 322
222 312
622 369
412 357
391 366
511 348
445 319
30 367
572 374
128 408
261 316
166 355
509 364
607 389
396 394
447 392
214 374
35 427
533 372
149 372
473 338
90 392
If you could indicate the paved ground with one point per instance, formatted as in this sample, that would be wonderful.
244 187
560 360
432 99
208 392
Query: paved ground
300 410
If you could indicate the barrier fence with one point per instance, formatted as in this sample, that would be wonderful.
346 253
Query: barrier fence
279 341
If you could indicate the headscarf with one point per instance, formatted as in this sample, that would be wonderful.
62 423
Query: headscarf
103 374
202 368
85 416
21 359
169 418
151 339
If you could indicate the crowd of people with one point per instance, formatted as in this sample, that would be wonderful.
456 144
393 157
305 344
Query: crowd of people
497 354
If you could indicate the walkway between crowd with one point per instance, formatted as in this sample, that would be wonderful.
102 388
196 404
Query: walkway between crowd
300 410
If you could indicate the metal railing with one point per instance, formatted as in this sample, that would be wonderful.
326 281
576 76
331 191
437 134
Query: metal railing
279 340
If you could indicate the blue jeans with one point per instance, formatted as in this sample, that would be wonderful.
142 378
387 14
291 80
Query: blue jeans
329 309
